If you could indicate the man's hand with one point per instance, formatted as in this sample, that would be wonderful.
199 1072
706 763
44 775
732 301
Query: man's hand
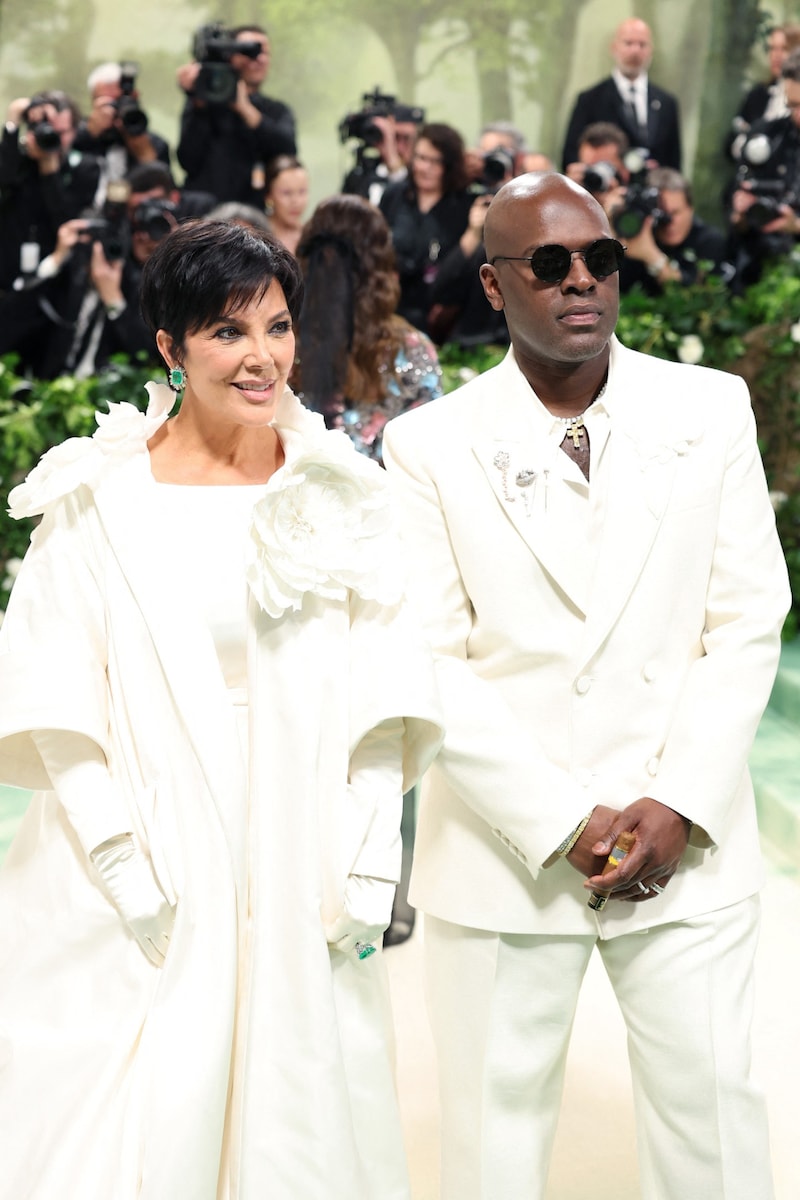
661 838
106 277
17 110
787 222
186 76
244 106
582 856
388 143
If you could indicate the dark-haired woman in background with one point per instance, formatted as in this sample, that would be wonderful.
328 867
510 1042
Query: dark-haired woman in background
359 363
427 214
208 674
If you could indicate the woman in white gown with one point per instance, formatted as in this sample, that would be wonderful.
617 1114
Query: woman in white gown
209 677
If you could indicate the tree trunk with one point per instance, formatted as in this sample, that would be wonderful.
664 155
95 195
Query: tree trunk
557 42
734 24
491 37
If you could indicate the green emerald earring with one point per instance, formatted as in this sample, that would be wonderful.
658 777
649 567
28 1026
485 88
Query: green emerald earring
177 379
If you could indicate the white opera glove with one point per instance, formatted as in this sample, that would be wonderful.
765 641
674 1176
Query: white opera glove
127 874
96 810
367 913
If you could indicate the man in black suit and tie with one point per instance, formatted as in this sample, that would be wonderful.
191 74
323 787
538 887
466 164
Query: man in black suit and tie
647 113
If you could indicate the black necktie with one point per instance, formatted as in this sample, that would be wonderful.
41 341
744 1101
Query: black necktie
633 115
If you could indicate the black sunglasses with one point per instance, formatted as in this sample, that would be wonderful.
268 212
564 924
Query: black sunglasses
552 264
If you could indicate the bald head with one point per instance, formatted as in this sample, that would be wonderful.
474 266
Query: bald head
632 47
526 202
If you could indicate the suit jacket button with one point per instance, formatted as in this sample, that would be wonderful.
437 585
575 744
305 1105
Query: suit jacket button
652 766
583 685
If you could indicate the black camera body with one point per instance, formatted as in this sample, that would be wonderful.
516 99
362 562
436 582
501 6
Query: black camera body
641 201
113 233
156 217
766 156
213 47
600 177
46 137
133 118
498 164
361 125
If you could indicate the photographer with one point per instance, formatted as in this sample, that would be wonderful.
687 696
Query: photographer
117 128
229 130
673 241
43 181
97 265
498 142
765 205
386 133
459 313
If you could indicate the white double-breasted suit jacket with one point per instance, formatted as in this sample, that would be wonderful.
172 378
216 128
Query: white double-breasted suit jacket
587 661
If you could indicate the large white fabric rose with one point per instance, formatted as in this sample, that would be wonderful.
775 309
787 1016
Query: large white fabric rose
323 526
121 432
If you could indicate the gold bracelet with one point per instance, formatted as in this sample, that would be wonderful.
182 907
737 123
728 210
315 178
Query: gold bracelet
569 842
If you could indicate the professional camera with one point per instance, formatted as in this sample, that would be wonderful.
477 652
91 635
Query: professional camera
213 47
762 173
361 125
46 137
497 165
111 227
155 217
600 177
641 201
132 117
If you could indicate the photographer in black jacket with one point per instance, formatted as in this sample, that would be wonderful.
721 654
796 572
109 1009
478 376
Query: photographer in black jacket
43 180
765 204
229 130
117 129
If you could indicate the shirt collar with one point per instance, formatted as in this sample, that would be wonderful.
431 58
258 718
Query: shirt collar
624 84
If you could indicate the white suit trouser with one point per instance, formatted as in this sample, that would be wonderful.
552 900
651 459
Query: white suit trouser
502 1008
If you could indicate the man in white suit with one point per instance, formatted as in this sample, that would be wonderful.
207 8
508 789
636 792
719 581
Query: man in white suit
594 553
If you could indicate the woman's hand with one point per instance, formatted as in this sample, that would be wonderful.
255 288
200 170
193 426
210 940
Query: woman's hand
367 912
130 881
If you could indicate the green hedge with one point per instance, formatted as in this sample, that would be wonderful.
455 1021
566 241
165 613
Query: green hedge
755 335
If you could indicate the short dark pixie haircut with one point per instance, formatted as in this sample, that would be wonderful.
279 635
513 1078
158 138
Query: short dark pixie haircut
205 269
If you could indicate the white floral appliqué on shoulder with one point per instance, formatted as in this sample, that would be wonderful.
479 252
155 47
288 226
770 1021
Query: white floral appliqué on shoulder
324 525
121 432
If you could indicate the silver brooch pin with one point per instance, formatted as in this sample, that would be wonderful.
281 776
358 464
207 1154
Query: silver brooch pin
502 460
525 479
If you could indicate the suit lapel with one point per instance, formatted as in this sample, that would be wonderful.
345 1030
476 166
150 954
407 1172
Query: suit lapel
651 435
520 465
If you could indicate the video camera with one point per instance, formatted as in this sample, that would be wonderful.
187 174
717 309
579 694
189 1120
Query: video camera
361 125
760 171
132 117
213 47
641 200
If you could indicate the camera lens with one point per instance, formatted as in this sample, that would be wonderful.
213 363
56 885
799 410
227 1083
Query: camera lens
45 136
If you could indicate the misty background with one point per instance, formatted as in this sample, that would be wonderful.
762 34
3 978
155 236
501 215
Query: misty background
466 63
